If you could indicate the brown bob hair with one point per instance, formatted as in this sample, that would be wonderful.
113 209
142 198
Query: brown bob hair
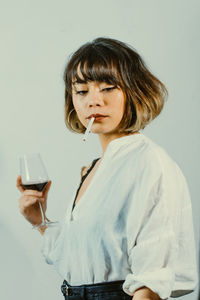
114 62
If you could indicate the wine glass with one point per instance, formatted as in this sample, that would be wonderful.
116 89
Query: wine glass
35 177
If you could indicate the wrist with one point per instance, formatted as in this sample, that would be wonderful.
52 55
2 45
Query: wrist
145 293
42 229
42 225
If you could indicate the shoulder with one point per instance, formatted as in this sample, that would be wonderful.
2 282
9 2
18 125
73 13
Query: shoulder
148 160
154 155
174 182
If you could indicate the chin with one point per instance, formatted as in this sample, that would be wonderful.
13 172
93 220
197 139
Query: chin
100 131
97 131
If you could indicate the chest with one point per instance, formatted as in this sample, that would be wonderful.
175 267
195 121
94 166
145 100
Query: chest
86 183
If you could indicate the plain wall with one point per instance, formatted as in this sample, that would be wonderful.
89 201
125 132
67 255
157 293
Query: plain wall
36 39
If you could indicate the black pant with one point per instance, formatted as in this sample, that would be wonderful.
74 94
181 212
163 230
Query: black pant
99 291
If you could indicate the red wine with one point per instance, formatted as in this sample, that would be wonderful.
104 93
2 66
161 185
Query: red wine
35 186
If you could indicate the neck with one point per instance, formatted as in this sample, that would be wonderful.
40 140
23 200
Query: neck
105 139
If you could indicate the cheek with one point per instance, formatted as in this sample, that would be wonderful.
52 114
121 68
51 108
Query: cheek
123 97
120 100
74 102
79 110
76 105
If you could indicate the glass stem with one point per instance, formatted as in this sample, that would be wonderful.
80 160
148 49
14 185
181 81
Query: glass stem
42 213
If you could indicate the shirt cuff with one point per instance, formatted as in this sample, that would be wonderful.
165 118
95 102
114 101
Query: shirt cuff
160 281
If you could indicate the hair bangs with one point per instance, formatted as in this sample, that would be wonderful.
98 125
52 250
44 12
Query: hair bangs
94 67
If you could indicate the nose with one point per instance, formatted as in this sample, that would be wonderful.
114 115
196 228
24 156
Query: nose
95 99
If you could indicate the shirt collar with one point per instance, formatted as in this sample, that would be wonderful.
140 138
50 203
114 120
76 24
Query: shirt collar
124 140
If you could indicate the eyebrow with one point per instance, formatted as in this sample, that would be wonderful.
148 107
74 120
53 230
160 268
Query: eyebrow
79 82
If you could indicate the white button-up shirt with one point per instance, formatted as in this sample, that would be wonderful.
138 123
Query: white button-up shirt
134 223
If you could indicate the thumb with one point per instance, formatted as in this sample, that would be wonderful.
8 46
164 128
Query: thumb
19 184
46 190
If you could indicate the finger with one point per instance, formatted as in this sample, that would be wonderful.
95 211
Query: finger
29 201
26 199
32 193
46 190
25 204
19 184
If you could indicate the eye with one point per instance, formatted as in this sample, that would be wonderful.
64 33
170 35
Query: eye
109 88
81 92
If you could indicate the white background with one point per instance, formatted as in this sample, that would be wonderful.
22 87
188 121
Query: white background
36 39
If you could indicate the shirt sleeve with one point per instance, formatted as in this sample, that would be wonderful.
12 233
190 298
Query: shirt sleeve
153 254
186 272
49 239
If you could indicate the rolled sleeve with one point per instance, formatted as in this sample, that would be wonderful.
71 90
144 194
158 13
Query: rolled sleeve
153 256
152 266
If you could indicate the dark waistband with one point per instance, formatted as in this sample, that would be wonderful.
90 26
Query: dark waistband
80 290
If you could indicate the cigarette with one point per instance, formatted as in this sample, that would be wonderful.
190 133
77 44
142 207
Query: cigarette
88 129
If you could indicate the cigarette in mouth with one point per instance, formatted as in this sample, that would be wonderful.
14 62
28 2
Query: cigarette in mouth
88 129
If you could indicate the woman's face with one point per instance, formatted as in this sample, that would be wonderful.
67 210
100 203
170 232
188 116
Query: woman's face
99 98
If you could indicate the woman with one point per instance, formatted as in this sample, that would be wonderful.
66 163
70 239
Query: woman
124 235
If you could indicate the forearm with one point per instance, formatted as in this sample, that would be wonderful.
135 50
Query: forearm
145 293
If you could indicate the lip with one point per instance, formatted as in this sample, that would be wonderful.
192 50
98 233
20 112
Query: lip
96 116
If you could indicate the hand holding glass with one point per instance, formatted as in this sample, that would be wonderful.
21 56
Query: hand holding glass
34 177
